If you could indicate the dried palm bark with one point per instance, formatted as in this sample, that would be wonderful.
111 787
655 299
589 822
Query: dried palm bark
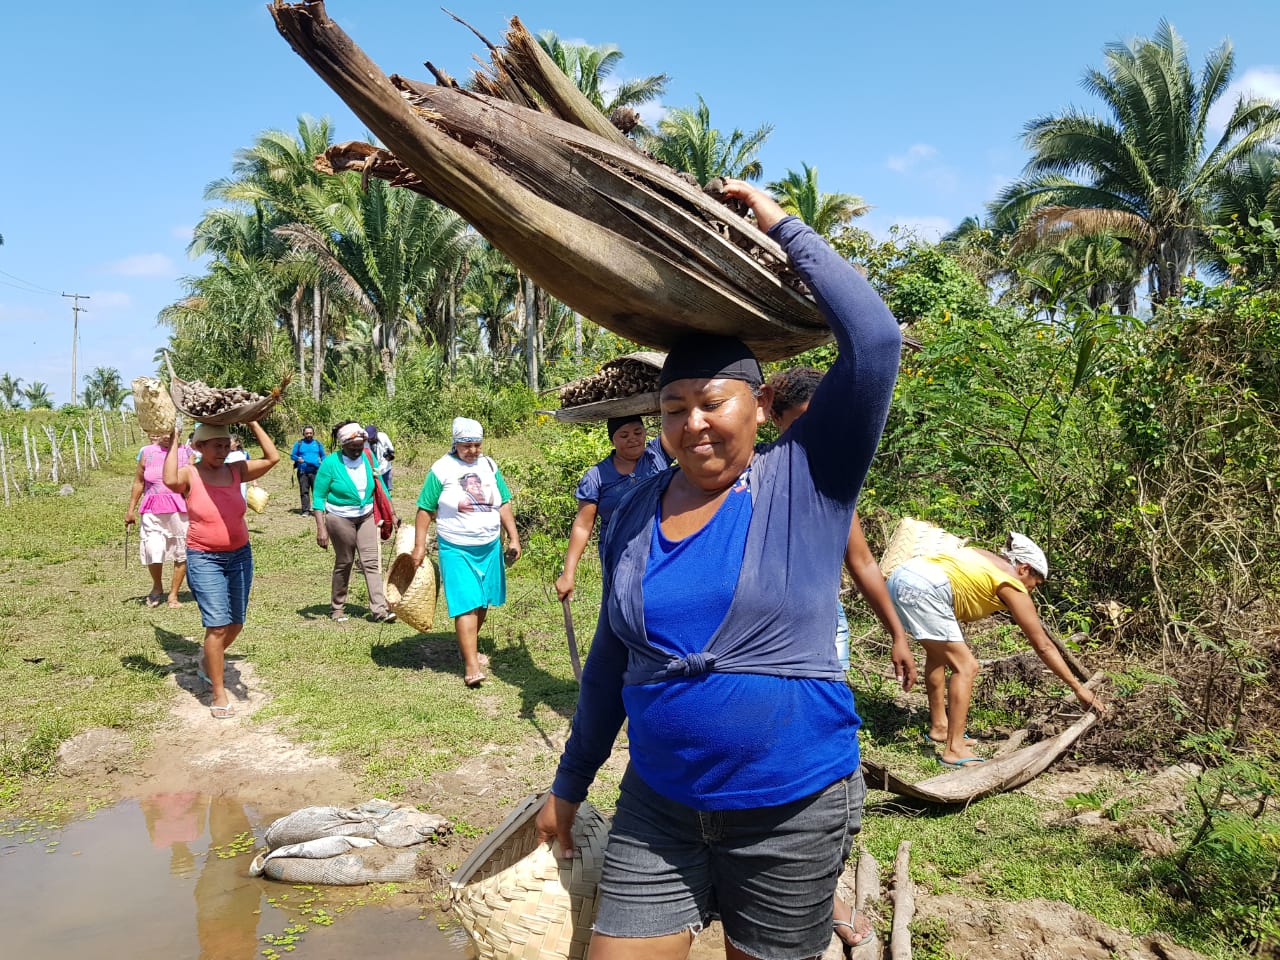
615 235
1001 773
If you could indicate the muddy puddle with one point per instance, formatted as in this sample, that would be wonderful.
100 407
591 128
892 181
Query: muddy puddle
167 877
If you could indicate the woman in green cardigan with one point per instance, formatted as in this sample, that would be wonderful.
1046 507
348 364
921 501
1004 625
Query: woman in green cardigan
342 500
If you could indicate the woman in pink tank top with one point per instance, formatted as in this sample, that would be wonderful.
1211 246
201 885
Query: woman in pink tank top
219 560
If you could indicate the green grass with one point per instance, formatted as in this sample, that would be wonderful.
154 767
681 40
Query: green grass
77 651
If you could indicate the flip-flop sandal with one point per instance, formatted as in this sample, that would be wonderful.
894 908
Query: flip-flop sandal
224 711
475 680
871 934
154 599
962 762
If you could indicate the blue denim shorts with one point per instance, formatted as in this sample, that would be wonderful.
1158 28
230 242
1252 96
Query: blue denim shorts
768 874
220 581
923 599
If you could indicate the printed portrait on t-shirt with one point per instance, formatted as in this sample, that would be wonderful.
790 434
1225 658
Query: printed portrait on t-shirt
473 499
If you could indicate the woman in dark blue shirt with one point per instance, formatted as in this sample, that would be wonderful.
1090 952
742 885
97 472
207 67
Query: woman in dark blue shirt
744 789
602 487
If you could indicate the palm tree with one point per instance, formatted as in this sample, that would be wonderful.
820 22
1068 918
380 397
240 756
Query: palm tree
10 389
590 66
37 396
1144 174
827 213
1248 195
394 252
687 142
103 388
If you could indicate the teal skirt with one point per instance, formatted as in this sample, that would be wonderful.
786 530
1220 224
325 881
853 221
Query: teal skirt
474 576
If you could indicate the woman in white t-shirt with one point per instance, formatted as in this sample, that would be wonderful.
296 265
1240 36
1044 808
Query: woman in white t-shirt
467 498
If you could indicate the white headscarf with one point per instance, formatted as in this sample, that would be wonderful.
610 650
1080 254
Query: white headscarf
466 430
1022 549
349 431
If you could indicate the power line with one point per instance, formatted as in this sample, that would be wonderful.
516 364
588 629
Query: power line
35 287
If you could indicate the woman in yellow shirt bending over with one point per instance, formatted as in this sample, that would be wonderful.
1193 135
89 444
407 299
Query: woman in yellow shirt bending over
934 595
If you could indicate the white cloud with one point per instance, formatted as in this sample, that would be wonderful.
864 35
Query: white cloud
920 163
104 300
1254 82
916 154
143 265
923 227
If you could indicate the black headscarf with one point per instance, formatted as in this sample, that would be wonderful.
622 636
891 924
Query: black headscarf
710 356
614 424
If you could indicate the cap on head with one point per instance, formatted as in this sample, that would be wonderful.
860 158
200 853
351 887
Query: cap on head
614 424
1022 549
466 430
209 431
708 356
371 431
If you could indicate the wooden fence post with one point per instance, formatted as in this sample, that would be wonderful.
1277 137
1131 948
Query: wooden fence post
75 445
4 470
106 439
26 452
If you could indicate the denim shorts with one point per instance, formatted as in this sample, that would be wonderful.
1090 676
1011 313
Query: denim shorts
768 873
220 581
922 596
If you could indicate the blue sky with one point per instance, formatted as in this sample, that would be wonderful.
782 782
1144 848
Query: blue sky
117 116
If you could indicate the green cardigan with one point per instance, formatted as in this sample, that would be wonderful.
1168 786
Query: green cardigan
333 484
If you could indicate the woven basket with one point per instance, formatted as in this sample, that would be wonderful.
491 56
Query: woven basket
411 591
154 407
517 901
916 538
257 498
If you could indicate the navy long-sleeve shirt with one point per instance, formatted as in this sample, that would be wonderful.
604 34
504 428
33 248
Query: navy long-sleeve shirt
780 620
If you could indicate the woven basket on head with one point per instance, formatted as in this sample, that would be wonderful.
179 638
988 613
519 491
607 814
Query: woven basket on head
411 591
916 538
151 401
518 901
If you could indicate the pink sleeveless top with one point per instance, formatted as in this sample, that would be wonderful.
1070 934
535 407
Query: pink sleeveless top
216 514
156 497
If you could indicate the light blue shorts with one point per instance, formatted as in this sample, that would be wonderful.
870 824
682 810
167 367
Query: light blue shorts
921 594
220 581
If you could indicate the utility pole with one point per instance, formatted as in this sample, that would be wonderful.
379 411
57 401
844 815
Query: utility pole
76 310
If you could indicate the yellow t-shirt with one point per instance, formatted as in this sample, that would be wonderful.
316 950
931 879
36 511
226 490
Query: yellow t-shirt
974 581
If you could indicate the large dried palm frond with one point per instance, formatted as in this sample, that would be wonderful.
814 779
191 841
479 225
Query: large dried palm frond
602 227
1051 224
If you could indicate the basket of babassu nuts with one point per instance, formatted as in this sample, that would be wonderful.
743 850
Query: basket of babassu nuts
624 386
221 405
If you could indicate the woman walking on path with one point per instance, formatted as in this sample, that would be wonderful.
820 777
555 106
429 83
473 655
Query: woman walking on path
634 457
342 500
467 498
714 644
162 534
219 559
934 595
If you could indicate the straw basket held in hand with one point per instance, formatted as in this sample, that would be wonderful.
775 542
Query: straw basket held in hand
257 498
411 591
156 413
916 538
518 901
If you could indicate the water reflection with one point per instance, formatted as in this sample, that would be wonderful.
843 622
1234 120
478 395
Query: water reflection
96 888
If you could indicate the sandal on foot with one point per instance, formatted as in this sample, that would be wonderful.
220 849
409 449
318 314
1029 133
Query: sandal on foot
222 711
962 762
474 680
154 599
871 934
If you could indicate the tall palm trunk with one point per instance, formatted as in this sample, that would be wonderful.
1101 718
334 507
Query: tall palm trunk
295 330
317 338
530 331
